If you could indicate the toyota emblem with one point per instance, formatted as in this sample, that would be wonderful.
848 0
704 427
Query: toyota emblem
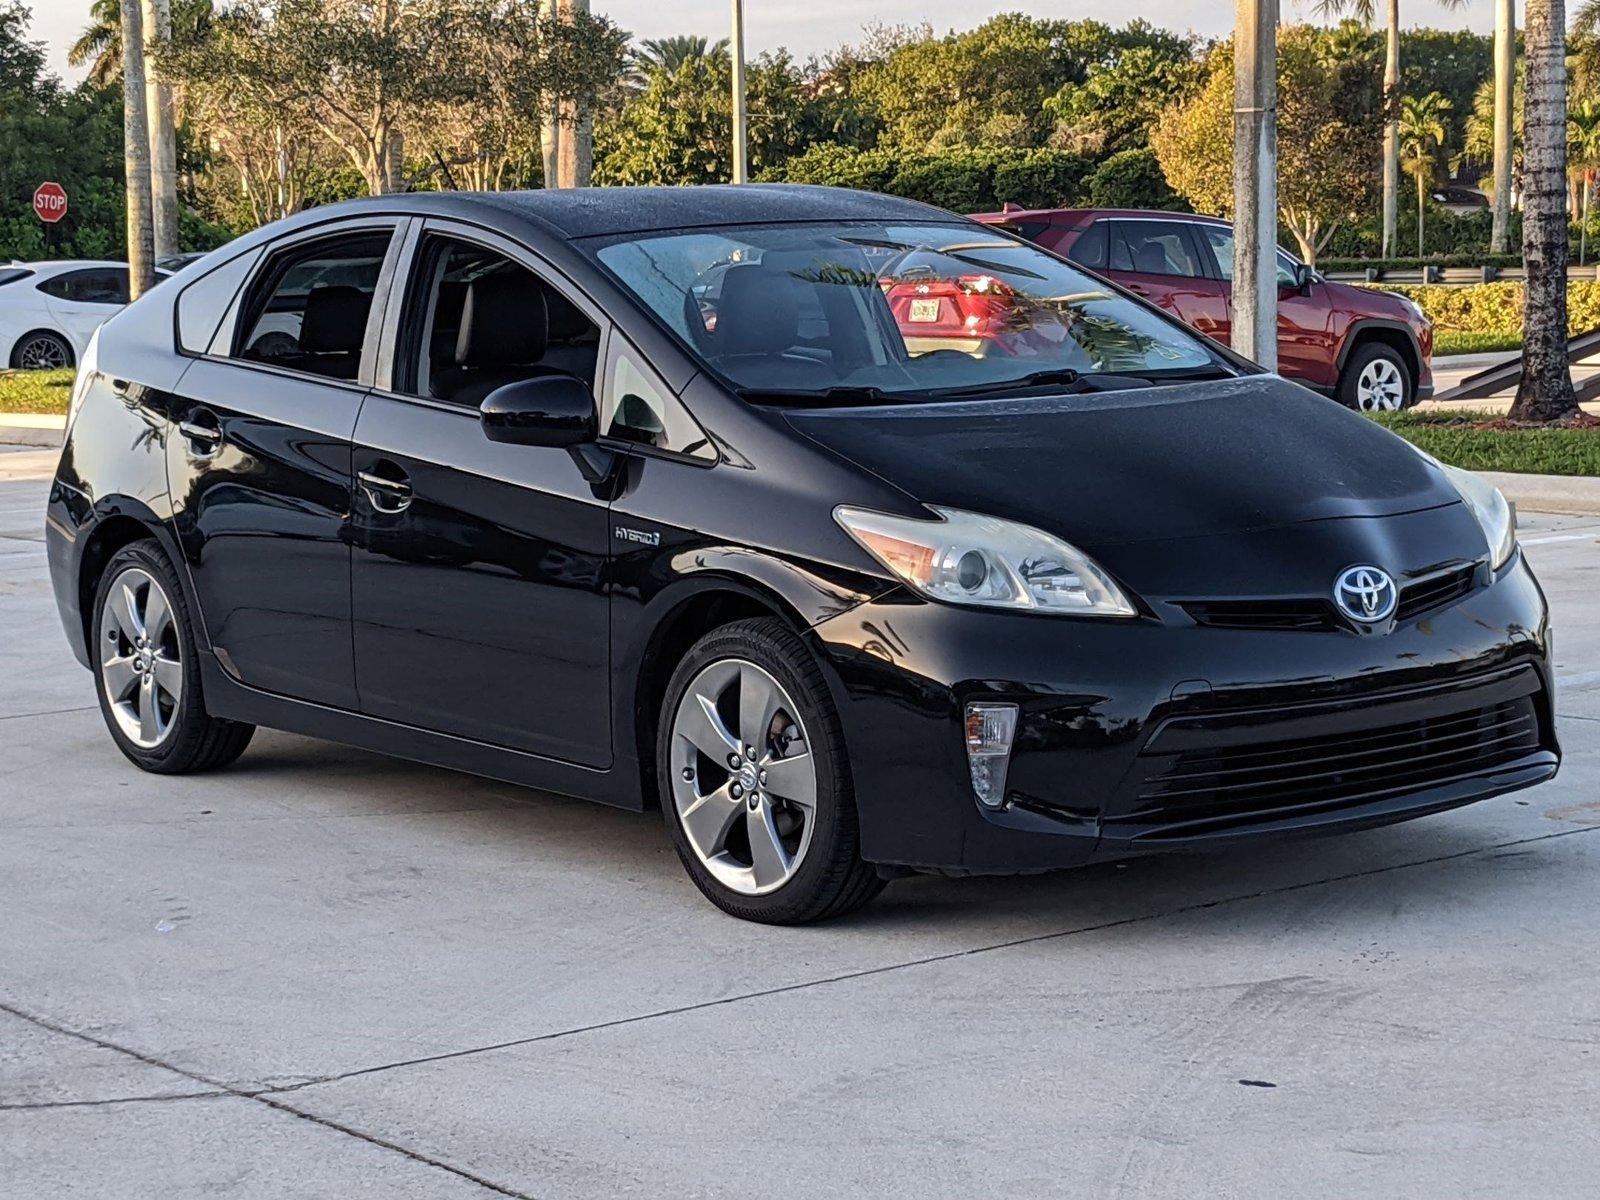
1366 594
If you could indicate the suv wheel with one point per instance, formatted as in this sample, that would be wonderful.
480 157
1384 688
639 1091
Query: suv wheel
146 671
1376 379
754 782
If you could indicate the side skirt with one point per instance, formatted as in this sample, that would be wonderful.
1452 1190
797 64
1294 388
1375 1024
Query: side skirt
227 697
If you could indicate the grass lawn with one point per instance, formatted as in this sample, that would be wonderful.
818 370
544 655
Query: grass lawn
1480 443
1452 341
35 391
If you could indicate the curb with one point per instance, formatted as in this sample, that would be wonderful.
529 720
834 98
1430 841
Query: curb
32 429
1569 495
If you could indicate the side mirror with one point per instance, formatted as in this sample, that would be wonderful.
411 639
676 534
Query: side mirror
1304 277
549 410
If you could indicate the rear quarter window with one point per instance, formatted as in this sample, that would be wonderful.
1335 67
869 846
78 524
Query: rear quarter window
12 274
1089 250
203 303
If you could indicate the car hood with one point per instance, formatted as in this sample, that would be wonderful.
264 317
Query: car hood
1104 469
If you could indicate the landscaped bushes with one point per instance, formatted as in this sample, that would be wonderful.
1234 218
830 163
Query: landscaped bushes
1497 307
968 180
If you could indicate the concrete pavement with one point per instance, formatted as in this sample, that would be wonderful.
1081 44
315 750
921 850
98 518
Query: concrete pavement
326 973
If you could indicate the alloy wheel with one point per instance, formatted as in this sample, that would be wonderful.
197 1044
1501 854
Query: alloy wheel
1380 387
42 352
743 779
141 663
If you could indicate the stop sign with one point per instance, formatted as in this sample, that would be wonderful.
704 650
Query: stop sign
50 202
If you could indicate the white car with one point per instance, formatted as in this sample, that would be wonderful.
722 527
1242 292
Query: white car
49 310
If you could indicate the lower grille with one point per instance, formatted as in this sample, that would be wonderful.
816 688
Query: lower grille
1257 779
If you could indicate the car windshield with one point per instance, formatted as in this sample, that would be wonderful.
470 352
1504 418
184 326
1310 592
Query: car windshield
878 311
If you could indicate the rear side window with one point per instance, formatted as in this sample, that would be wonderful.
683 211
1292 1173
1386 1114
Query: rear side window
1090 248
91 285
1154 248
202 304
12 274
307 308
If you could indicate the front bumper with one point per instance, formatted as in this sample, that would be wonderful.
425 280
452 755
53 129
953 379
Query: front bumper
1154 734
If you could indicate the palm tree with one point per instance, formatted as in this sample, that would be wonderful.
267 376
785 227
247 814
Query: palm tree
1583 157
136 151
670 53
1544 392
100 43
1424 125
1366 11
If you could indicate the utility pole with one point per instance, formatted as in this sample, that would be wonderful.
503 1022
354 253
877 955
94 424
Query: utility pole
136 153
157 18
1391 131
737 47
1505 82
1255 181
550 127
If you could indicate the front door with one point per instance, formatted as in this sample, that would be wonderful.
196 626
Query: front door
1305 343
258 461
478 574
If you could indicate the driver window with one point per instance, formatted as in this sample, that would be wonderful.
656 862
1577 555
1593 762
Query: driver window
638 408
1221 239
479 320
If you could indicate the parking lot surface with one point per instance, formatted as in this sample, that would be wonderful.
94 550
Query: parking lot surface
327 973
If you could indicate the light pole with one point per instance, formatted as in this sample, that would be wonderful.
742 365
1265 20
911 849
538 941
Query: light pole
738 92
1255 181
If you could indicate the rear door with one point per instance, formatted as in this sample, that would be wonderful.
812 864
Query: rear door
1164 261
84 299
478 578
259 459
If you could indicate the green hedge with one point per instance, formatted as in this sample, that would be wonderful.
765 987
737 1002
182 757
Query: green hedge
1416 264
1496 307
35 391
966 180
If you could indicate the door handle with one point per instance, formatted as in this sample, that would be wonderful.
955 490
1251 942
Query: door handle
203 434
387 495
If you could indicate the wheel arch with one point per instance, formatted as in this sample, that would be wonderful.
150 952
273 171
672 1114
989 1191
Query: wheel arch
1395 334
118 527
60 335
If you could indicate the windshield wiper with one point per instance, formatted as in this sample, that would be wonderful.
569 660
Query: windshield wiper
840 394
1065 376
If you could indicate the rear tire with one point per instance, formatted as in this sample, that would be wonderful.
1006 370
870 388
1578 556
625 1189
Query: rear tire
41 350
147 673
1377 379
750 755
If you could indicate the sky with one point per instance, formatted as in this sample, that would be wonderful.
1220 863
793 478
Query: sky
822 24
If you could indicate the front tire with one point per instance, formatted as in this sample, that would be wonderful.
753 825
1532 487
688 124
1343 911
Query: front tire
1377 379
147 674
754 780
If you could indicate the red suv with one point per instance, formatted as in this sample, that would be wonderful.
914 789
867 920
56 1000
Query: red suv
1370 350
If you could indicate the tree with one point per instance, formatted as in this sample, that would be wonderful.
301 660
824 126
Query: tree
136 153
1325 175
679 129
1583 158
1545 392
100 43
156 17
669 53
1366 10
1424 126
1117 103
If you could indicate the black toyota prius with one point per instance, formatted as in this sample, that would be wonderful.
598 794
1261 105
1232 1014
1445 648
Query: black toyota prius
858 538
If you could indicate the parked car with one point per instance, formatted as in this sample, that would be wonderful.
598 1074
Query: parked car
1370 350
49 310
640 495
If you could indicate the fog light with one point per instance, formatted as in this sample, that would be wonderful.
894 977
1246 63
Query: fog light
990 728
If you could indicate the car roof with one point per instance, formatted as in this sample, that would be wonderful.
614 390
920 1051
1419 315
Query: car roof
594 212
65 264
1076 216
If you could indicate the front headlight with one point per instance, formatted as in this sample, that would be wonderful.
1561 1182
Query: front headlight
1490 507
967 558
